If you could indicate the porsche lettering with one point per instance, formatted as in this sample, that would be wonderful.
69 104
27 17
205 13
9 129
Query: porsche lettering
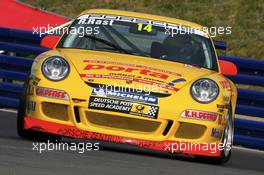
126 69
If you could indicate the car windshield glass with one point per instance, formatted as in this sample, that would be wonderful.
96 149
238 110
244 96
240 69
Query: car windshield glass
142 37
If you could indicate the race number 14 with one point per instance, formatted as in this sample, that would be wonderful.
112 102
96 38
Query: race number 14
147 27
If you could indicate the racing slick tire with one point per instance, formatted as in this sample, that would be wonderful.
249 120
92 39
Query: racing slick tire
26 133
227 142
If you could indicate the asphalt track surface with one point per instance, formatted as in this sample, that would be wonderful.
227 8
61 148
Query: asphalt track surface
18 158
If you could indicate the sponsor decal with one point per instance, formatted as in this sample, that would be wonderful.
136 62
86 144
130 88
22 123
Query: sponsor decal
217 133
122 106
222 106
199 115
31 89
125 96
32 85
51 93
221 119
146 75
226 98
145 111
173 82
35 81
132 65
93 21
221 114
126 69
31 106
134 76
225 84
109 18
131 79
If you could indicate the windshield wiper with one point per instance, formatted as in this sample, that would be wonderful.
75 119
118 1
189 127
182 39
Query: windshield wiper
108 43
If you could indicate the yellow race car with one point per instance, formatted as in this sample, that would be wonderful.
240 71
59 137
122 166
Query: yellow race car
150 81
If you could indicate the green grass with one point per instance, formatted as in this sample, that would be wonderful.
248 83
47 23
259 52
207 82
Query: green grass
245 17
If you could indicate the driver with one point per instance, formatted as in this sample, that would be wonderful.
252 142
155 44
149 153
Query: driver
182 48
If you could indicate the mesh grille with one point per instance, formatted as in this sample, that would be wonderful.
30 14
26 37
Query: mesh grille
190 131
56 111
125 123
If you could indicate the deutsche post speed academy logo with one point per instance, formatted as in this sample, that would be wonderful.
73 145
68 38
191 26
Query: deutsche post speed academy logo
122 106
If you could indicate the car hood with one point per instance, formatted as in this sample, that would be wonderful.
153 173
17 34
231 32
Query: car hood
114 69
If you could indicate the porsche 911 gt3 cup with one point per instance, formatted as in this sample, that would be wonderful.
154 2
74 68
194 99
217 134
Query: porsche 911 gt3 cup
132 78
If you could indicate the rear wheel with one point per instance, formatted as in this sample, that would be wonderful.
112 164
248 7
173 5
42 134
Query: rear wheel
227 143
25 133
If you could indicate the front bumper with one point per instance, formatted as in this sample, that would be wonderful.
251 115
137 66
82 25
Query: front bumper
166 127
169 132
178 147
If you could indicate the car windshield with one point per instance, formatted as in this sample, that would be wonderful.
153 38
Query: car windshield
142 37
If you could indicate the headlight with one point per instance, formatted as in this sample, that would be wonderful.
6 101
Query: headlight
204 90
55 68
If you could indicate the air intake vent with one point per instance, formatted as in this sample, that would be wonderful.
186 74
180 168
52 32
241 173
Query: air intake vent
168 127
77 114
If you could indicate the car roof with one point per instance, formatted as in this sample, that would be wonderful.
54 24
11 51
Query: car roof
143 15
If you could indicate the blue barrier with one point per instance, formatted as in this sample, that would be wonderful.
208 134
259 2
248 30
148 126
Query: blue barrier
7 102
251 72
248 141
249 110
21 48
16 88
248 79
220 45
16 34
19 61
251 94
249 133
245 63
13 75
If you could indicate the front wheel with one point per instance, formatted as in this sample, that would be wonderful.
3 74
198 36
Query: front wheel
27 134
227 142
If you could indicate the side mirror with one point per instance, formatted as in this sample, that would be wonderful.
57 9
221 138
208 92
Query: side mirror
227 68
50 41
